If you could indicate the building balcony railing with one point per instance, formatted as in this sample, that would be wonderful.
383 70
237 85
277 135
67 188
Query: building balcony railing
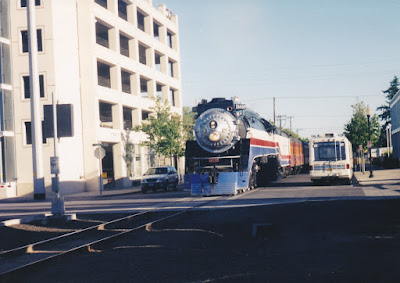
104 81
126 88
106 125
102 41
124 51
128 124
123 15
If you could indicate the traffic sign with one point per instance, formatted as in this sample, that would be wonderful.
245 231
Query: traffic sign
99 152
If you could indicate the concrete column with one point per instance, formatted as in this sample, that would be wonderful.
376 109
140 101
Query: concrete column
132 79
112 6
115 77
131 11
136 117
178 98
151 88
116 111
133 49
136 84
164 64
165 90
113 39
150 57
148 25
136 50
163 34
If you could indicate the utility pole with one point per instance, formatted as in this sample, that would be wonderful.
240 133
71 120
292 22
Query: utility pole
274 112
279 117
290 120
36 123
57 204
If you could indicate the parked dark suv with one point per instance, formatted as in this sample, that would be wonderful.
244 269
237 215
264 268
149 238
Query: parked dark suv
162 177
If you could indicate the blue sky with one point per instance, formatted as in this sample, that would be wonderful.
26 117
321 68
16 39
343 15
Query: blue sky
317 57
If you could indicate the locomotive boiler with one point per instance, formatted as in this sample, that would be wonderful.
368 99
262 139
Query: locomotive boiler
236 150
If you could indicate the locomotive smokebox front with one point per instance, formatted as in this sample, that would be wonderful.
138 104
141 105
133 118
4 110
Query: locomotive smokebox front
216 130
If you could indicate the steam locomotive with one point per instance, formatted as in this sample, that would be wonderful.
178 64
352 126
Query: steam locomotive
236 150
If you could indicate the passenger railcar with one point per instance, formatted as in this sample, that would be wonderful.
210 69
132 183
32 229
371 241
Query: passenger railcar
235 150
331 158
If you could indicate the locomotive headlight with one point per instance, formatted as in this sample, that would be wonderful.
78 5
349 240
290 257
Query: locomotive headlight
213 124
214 137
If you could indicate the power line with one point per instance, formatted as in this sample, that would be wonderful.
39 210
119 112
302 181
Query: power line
310 97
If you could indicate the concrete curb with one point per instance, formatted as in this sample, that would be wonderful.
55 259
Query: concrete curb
28 219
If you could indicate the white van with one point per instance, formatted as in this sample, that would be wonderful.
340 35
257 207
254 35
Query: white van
331 158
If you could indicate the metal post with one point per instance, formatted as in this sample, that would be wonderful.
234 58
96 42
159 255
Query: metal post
36 123
101 186
370 143
387 140
57 205
100 155
274 113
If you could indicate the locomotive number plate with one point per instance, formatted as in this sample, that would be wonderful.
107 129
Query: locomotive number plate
213 160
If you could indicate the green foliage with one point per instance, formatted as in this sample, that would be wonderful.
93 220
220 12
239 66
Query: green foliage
129 152
385 109
164 131
293 134
357 129
188 123
390 93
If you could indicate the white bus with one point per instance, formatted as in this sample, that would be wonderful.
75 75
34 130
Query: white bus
331 158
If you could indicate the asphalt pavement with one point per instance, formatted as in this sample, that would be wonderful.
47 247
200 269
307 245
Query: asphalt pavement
382 184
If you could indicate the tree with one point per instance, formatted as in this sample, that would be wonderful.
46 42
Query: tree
129 152
385 109
357 129
164 131
188 123
293 134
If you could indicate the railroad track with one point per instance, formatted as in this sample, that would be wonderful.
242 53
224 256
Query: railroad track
25 257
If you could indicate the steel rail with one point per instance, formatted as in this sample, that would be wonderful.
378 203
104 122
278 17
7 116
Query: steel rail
100 227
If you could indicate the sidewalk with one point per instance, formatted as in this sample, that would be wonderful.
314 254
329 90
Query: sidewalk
75 196
384 183
380 177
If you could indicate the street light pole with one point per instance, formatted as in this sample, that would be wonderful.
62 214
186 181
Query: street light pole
369 141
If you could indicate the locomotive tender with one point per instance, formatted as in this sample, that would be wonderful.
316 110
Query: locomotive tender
235 150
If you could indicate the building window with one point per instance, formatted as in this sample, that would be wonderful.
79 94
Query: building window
122 10
124 45
157 61
105 110
145 115
172 97
102 3
156 30
143 87
102 35
126 81
103 75
169 38
27 93
28 133
127 116
140 20
24 3
24 36
159 91
142 54
171 68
